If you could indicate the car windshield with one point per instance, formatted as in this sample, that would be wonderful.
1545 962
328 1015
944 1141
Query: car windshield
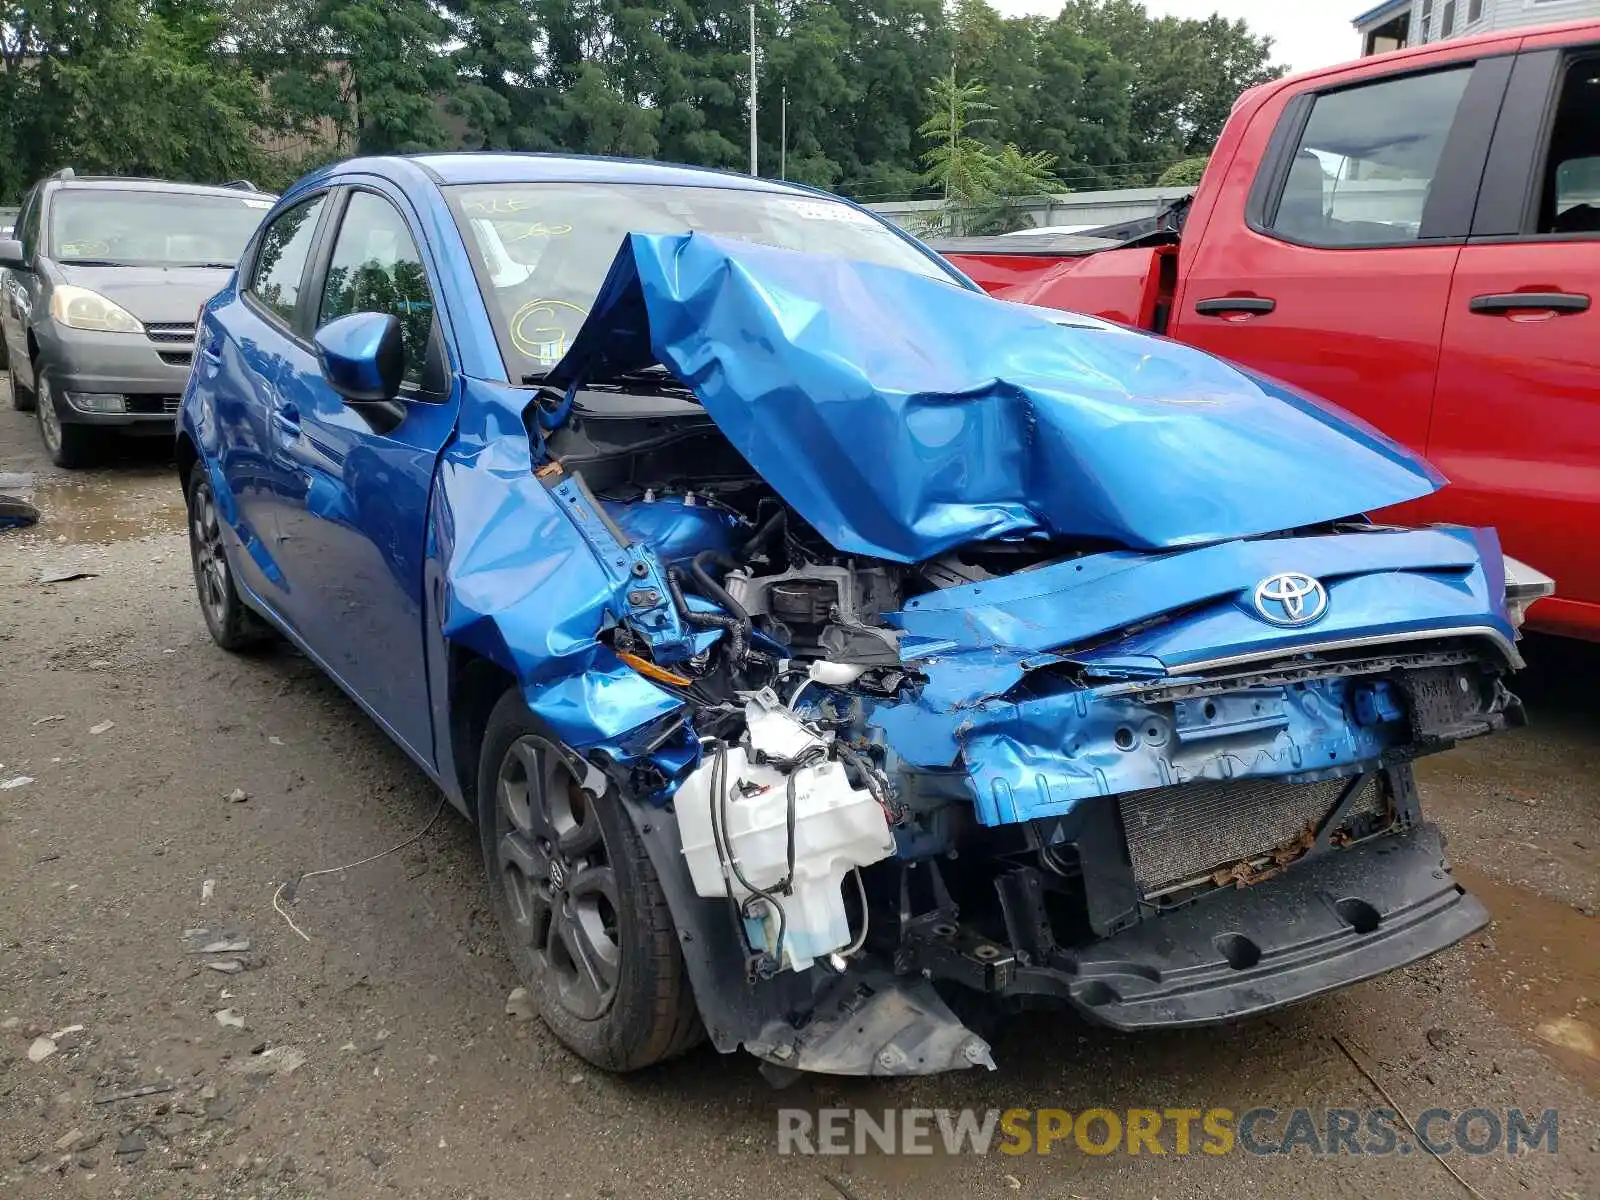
541 250
137 228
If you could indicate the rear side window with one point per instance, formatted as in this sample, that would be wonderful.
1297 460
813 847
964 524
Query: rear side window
1366 160
1571 193
376 268
281 260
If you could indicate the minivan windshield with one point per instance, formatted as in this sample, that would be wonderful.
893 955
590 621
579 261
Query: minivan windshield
541 250
142 228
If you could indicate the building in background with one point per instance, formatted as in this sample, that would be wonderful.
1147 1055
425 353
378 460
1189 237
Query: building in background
1401 23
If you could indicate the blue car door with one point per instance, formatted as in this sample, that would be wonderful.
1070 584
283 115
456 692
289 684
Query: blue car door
353 530
244 351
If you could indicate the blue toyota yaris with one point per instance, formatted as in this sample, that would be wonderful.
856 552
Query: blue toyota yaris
812 637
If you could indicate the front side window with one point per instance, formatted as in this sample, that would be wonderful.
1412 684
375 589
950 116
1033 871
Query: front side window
281 260
1366 161
376 268
142 228
28 224
541 250
1571 192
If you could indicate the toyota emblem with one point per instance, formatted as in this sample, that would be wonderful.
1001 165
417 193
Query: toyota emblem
1290 598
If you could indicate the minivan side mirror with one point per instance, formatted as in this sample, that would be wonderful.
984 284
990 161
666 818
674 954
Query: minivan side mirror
362 356
11 255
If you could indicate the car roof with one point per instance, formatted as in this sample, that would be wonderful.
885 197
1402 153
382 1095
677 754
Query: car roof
492 167
117 183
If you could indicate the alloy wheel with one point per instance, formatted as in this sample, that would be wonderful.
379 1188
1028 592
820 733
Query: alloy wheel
210 563
561 891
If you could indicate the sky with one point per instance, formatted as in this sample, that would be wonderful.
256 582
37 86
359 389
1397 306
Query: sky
1305 33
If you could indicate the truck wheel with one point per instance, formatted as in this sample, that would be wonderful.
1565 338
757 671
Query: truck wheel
584 917
68 445
233 625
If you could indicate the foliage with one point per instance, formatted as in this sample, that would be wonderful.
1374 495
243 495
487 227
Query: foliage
979 183
958 162
1184 174
1102 95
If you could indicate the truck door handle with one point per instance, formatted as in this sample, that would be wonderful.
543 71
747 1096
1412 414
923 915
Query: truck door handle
1501 302
1220 305
287 418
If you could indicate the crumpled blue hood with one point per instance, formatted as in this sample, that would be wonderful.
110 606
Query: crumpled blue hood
903 417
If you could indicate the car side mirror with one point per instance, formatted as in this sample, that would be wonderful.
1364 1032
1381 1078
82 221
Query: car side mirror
11 255
362 356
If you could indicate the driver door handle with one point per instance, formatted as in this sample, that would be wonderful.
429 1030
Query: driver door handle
287 418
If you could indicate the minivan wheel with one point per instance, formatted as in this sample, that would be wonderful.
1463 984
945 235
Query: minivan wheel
584 917
232 624
68 445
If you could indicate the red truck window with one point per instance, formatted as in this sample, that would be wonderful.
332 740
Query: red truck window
1366 160
1570 200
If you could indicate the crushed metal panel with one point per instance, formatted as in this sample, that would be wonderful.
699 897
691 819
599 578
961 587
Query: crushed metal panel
903 417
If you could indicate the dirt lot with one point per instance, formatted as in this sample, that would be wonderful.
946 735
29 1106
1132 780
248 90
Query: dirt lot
413 1081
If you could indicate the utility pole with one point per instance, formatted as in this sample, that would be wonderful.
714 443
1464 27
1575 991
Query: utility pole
753 170
783 135
952 163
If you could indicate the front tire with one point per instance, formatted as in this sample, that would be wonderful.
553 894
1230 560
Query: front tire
68 445
233 625
584 917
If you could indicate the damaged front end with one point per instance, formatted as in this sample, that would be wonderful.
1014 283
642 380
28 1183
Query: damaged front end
937 649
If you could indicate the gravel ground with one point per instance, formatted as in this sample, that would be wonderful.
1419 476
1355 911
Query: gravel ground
376 1058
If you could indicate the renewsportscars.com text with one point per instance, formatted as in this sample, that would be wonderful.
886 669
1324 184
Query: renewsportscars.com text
1181 1131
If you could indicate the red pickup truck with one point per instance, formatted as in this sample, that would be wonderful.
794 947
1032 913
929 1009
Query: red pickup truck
1416 237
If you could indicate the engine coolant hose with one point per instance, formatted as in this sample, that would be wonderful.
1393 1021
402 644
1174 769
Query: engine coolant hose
738 638
715 592
762 536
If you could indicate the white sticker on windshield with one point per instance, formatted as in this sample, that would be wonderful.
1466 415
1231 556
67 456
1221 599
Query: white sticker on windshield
258 203
825 210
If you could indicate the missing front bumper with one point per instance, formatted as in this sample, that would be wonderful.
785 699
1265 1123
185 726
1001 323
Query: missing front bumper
1332 921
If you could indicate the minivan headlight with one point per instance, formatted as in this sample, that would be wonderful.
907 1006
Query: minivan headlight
79 308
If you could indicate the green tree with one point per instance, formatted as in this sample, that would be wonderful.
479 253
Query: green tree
1105 93
959 163
160 96
1186 75
390 56
1184 174
981 185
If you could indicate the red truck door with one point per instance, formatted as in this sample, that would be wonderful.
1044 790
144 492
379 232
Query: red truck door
1327 258
1517 416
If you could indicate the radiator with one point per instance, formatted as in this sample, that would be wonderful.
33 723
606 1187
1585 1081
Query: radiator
1179 834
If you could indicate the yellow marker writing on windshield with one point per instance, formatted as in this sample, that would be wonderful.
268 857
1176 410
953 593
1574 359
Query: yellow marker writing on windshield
535 330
